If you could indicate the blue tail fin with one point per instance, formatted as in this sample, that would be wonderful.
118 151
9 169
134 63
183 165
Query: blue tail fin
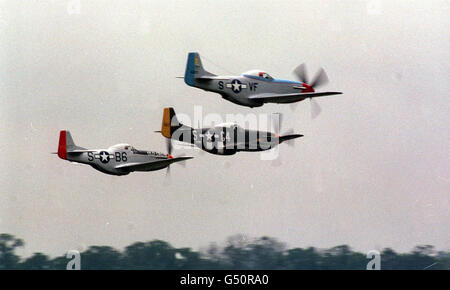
194 69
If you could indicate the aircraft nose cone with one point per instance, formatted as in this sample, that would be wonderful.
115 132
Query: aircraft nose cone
308 89
170 156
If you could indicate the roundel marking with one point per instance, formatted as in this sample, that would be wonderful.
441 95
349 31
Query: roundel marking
104 157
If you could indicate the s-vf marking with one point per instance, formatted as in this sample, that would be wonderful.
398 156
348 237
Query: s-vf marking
254 88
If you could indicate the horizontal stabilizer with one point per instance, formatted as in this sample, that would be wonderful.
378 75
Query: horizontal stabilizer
210 78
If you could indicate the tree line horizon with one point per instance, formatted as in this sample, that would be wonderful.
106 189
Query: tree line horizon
238 253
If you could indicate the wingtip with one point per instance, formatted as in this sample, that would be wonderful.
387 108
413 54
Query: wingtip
185 157
330 93
290 137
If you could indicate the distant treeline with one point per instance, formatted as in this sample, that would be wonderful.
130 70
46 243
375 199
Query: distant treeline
237 253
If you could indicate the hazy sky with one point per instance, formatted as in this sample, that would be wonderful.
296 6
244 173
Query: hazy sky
372 170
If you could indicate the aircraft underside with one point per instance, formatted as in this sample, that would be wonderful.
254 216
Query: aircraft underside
242 101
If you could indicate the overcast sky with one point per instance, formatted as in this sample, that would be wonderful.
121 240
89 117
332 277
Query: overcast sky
372 170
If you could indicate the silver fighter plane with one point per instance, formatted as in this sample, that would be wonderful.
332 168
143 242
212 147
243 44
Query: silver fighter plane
222 139
255 88
120 159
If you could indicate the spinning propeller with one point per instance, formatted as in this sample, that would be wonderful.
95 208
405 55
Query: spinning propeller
169 149
319 79
169 154
277 123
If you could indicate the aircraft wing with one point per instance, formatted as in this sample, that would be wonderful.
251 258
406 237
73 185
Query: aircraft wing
289 98
151 165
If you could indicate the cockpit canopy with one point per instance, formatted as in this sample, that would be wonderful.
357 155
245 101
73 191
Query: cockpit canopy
227 125
122 146
128 147
258 73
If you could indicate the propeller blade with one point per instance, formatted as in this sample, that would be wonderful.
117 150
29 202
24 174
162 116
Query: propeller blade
168 172
182 163
169 152
167 179
293 106
227 164
320 78
277 162
277 119
182 145
169 145
289 132
290 142
300 73
315 108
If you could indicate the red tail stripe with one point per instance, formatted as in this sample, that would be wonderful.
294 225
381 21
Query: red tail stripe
62 147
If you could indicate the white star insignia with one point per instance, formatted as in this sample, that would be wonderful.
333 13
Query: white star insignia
104 156
208 135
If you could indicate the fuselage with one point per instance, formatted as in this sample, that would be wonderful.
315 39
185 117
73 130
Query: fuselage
227 140
106 160
238 89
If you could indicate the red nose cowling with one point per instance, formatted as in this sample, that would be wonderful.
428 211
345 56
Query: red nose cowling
308 88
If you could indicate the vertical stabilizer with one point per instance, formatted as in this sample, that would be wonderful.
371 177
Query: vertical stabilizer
65 144
170 122
194 69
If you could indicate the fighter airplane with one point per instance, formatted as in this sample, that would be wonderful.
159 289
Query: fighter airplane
255 88
222 139
120 159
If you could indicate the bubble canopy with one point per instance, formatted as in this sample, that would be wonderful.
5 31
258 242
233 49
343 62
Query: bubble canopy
123 146
257 73
227 125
